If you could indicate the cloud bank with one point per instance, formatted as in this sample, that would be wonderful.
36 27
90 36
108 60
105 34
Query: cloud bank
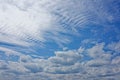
70 64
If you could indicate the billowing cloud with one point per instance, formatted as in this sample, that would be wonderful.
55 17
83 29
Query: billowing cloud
64 65
114 47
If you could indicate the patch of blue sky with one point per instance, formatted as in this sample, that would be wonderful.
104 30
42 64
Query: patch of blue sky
5 57
2 55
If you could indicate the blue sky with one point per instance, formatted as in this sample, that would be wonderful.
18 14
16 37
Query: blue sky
59 40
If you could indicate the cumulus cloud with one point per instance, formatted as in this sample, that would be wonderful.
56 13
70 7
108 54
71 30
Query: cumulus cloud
65 57
114 47
99 49
65 65
116 60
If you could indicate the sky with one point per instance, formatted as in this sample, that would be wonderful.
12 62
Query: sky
59 39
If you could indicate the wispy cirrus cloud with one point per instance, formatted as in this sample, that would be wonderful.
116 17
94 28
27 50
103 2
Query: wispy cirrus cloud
18 26
24 22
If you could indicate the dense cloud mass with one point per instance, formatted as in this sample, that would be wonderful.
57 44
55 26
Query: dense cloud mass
88 31
70 64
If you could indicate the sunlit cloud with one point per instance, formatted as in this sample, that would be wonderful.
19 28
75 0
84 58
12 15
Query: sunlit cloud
21 25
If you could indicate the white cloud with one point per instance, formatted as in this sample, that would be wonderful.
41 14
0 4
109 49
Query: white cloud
116 60
97 52
3 65
64 65
66 57
97 62
21 25
23 21
115 46
9 52
17 68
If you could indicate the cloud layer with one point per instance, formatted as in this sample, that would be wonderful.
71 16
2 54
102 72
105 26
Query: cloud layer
70 64
24 21
17 25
